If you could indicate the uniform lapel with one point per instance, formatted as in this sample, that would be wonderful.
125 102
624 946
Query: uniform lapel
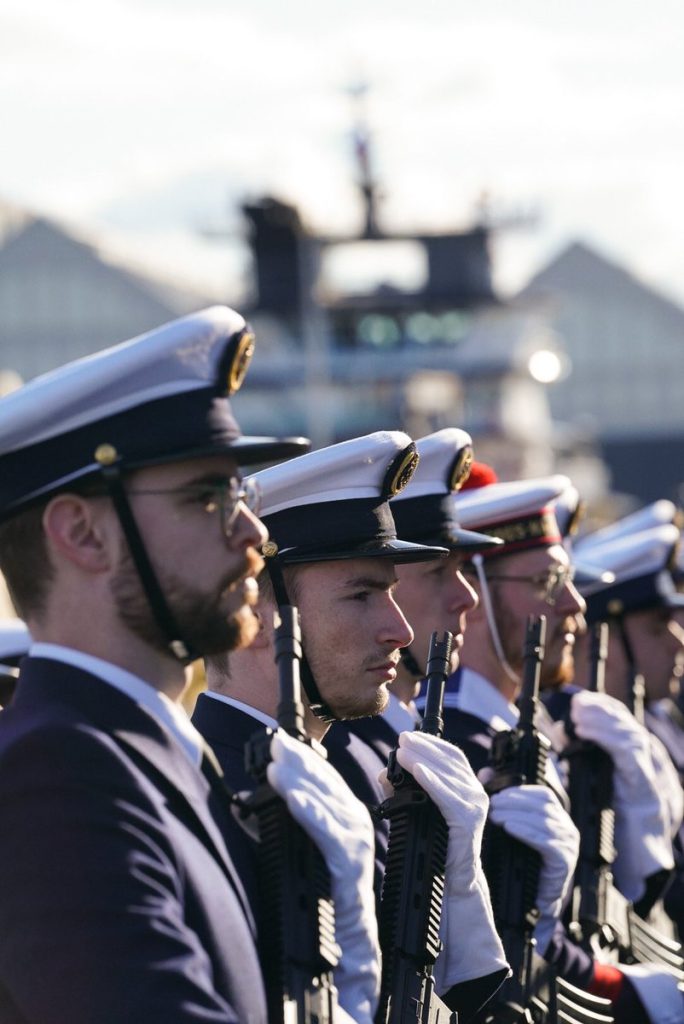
157 754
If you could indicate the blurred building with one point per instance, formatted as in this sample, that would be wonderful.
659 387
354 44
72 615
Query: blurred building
626 346
331 362
61 298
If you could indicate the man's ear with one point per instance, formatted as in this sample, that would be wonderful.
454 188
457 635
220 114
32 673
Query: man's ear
78 532
264 611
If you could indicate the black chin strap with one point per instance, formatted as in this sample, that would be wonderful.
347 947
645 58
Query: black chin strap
313 694
635 679
410 663
158 605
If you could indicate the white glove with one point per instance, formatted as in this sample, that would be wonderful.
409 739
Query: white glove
642 838
658 991
534 815
321 802
667 783
472 948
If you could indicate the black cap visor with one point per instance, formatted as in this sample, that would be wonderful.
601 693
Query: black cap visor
347 528
457 539
656 590
398 551
430 519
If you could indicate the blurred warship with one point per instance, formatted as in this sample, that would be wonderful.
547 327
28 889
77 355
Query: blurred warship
335 363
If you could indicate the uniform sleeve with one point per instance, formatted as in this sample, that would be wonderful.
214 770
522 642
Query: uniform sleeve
468 997
93 927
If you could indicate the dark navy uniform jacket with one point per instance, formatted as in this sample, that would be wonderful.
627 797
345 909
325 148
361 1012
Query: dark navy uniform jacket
228 728
376 733
474 736
119 900
665 720
379 737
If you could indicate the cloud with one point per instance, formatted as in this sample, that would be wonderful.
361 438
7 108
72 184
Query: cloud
577 106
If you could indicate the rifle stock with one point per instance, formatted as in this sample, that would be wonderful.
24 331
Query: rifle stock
512 868
297 925
413 889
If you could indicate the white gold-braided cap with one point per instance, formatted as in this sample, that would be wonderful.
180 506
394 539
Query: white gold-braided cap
658 513
631 556
501 502
178 357
341 472
437 454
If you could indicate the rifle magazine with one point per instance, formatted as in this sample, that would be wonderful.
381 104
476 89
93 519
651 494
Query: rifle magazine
297 943
411 904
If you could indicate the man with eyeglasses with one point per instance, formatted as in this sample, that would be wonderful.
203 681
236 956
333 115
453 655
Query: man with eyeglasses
129 549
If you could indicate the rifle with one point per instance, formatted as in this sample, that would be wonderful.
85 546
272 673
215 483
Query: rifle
601 919
413 887
511 867
534 993
297 947
636 684
590 788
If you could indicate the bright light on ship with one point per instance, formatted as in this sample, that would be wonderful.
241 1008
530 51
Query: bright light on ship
545 366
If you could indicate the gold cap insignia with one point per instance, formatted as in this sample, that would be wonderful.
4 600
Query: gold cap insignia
401 469
269 549
460 470
106 454
239 357
576 517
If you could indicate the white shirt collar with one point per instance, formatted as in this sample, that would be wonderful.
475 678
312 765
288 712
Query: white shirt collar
260 716
166 711
477 696
399 716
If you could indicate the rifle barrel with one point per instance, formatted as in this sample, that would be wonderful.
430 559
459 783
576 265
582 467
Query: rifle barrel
598 654
438 666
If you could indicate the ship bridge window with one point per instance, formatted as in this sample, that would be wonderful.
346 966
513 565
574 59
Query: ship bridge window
424 328
378 266
378 331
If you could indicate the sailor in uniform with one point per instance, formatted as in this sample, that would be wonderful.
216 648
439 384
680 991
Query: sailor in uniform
335 554
532 574
129 543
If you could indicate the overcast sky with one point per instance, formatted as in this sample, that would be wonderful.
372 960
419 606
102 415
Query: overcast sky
150 119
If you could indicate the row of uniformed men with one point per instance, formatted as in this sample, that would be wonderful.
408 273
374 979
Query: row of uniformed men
130 548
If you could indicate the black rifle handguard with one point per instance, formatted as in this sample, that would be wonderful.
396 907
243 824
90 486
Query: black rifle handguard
413 888
517 758
297 947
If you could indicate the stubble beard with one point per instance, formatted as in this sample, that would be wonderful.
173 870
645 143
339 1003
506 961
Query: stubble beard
558 666
202 625
349 707
348 704
561 670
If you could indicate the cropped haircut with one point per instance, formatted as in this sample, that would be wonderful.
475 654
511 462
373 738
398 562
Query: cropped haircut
290 576
25 561
24 552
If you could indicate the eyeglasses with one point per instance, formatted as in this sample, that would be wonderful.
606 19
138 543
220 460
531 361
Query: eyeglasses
551 583
222 496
